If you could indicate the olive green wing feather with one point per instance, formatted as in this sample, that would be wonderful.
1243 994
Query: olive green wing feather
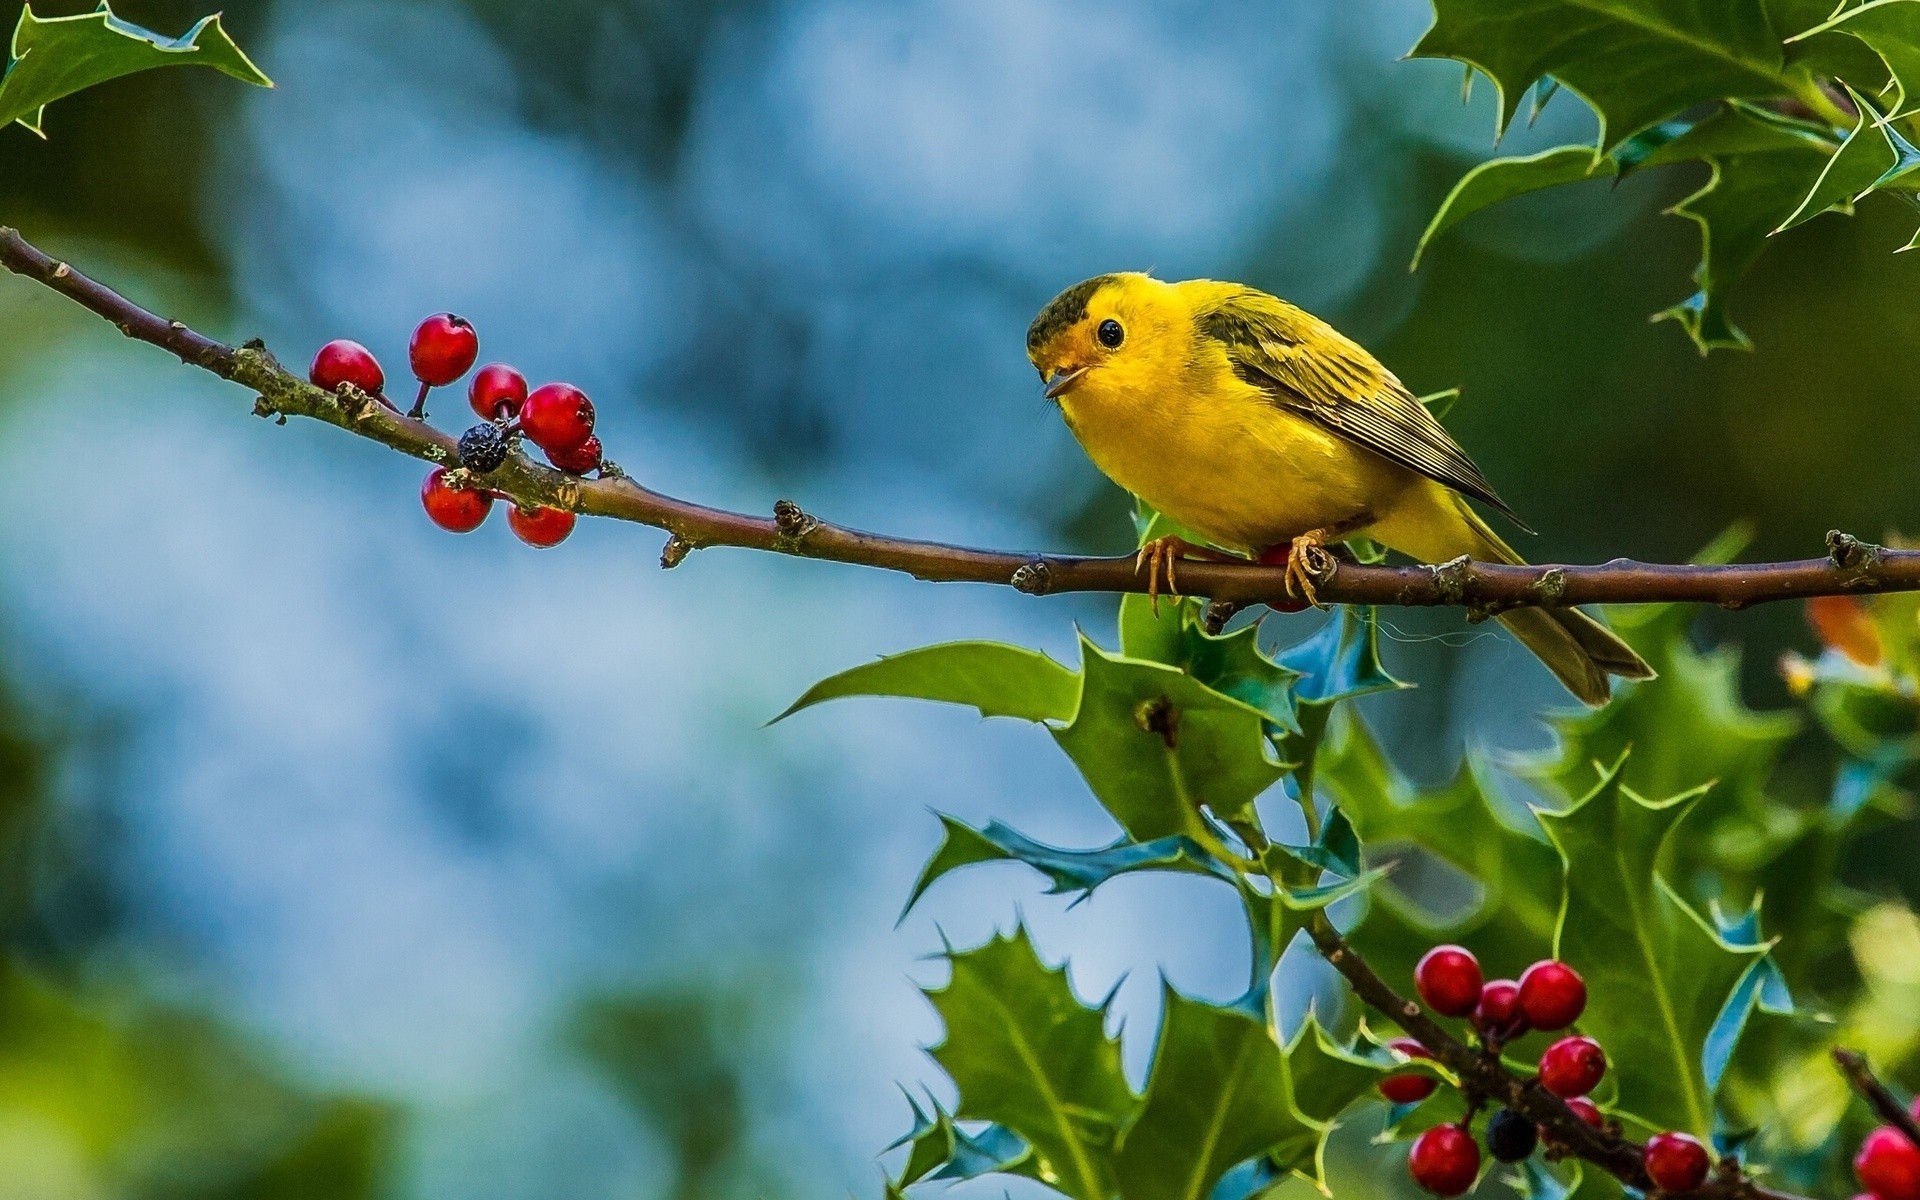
1310 368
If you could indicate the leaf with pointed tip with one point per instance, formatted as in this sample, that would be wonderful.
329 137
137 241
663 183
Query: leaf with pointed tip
1504 178
1875 155
1276 916
1026 1054
999 680
1218 1094
1634 61
1762 988
1658 974
1068 870
1337 849
1155 744
54 57
995 1150
1761 171
1891 28
1515 870
1337 662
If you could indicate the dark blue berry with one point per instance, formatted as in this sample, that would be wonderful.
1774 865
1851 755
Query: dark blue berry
483 448
1510 1136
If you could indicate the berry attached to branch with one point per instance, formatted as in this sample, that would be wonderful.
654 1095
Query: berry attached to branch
483 448
557 417
578 461
1552 995
456 510
1448 980
497 392
341 362
1499 1017
1677 1162
1574 1066
1511 1137
540 527
443 349
1888 1165
1409 1087
1445 1160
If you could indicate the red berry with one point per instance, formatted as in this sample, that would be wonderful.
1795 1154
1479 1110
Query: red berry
540 527
1574 1066
497 391
1408 1089
579 460
456 510
557 417
1448 979
1587 1111
1888 1165
1498 1018
1677 1162
1552 995
347 362
1444 1160
443 349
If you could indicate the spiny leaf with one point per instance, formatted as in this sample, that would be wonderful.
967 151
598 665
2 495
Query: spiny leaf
999 680
55 57
1634 61
1026 1054
1218 1094
1280 914
1504 178
1155 744
1339 662
1892 29
1762 988
1874 156
1068 870
1658 975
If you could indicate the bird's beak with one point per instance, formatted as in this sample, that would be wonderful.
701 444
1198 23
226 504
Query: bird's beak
1059 383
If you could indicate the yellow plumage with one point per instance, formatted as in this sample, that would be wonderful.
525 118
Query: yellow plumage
1255 424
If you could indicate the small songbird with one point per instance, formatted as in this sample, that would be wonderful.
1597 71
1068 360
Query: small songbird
1260 427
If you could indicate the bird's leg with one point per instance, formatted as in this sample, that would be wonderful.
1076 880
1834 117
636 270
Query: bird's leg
1307 558
1160 554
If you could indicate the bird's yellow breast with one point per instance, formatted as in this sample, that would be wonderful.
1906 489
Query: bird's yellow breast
1221 457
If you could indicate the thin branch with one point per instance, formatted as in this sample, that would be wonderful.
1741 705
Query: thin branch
1484 1075
1886 1105
1851 566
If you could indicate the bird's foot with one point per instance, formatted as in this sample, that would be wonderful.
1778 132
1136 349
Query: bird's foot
1308 561
1160 554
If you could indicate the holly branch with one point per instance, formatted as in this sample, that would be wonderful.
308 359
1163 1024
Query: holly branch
1850 567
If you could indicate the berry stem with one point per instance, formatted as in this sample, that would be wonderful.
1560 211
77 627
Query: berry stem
419 409
1886 1106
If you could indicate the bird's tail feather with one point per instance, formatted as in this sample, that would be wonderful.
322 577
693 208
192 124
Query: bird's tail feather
1579 649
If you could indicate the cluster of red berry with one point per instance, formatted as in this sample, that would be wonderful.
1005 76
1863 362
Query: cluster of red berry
558 418
1549 996
1888 1164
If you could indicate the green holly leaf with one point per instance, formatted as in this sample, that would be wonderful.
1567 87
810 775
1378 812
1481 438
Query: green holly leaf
1218 1094
999 680
1278 915
55 57
1763 988
1874 156
1340 661
1155 744
1762 170
1635 61
1504 178
1516 872
1658 974
1891 28
1069 871
942 1150
1026 1054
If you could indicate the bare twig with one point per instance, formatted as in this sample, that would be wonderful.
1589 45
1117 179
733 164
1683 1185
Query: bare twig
1483 1075
1886 1105
1851 567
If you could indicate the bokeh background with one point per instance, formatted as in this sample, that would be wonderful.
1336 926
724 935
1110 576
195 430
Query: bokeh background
342 858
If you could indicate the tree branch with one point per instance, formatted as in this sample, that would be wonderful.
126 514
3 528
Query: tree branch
1886 1105
1851 567
1482 1074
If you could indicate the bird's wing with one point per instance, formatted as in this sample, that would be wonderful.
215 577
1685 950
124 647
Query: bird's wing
1310 368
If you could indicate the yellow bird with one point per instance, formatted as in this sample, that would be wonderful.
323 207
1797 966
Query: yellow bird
1258 426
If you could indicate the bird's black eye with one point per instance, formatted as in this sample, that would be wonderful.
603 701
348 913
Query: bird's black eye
1110 334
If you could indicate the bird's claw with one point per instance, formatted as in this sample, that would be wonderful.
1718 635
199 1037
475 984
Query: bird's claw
1307 561
1158 555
